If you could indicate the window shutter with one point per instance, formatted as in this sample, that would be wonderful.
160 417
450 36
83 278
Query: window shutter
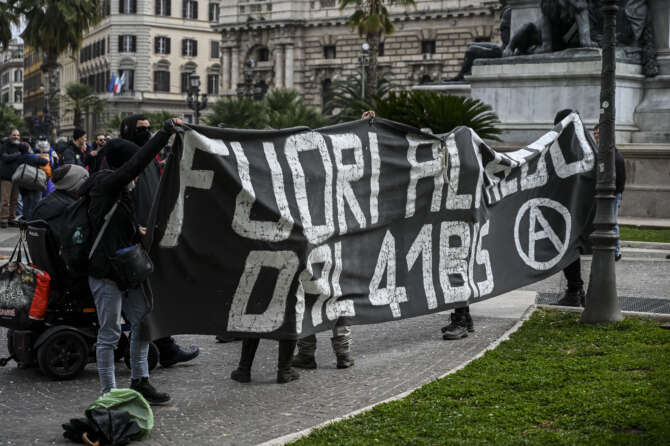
167 81
195 48
157 45
183 47
167 45
102 42
121 7
195 9
155 80
133 6
157 7
120 44
168 7
184 9
133 40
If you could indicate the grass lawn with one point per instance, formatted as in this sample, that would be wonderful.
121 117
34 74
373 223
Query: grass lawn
555 381
645 235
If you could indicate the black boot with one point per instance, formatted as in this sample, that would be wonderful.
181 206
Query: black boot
457 329
170 353
243 372
284 371
149 392
573 298
305 357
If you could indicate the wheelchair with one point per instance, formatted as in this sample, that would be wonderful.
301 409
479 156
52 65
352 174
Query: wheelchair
64 342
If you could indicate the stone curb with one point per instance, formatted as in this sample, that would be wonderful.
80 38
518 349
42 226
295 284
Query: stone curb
661 317
645 245
298 435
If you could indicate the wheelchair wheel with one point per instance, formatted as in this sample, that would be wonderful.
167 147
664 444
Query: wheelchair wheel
10 342
152 358
63 355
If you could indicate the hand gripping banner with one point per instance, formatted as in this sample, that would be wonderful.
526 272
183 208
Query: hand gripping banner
280 233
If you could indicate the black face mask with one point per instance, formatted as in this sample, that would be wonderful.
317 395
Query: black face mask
141 137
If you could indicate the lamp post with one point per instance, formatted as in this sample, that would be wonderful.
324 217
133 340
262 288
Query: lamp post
364 59
195 100
602 304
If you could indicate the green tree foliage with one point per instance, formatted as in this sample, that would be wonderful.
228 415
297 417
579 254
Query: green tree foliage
286 108
10 119
9 15
281 108
439 112
346 102
156 119
79 98
372 19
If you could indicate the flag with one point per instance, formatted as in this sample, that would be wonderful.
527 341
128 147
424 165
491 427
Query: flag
118 86
112 83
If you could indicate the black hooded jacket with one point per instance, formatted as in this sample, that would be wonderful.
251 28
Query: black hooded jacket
73 155
104 188
10 158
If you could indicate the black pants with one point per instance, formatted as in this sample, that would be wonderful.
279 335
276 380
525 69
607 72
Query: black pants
573 273
250 345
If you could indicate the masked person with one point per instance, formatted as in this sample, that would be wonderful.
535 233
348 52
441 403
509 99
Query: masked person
137 129
104 189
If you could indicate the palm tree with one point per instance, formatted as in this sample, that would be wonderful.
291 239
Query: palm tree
9 15
372 20
347 104
241 113
53 27
79 98
286 108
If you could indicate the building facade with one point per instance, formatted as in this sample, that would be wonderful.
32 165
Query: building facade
11 75
154 45
307 45
33 91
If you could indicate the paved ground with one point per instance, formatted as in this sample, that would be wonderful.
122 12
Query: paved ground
210 409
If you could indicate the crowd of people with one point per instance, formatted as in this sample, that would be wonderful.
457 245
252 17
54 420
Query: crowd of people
119 177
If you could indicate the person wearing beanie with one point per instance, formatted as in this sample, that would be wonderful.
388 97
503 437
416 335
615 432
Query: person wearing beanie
67 181
136 129
104 189
75 152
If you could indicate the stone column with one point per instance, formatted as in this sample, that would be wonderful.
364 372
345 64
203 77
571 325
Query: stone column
225 69
234 68
279 66
288 66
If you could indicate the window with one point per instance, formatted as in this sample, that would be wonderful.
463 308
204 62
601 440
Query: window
189 48
213 84
214 52
106 8
214 12
129 84
128 6
380 49
18 95
161 45
162 81
5 98
127 43
329 52
5 78
190 9
427 47
18 76
184 81
263 54
164 8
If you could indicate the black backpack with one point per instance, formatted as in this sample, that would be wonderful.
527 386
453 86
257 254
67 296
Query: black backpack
76 236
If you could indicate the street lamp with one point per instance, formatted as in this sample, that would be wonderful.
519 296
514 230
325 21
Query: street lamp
364 59
602 304
195 100
247 89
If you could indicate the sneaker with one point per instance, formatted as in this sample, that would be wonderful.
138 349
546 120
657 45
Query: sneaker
303 361
344 360
149 392
457 329
180 355
286 375
572 299
240 375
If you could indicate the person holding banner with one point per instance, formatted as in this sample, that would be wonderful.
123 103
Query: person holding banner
112 219
285 373
341 342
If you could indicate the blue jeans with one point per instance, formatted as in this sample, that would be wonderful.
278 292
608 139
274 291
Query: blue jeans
617 203
109 302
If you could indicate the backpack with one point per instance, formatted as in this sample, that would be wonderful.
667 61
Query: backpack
75 235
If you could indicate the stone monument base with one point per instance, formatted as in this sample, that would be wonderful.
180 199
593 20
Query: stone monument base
527 91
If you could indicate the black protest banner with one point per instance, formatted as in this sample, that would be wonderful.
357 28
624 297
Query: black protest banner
280 233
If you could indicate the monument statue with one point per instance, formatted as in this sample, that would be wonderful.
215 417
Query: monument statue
565 24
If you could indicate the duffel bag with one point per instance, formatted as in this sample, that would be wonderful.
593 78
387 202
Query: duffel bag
30 177
23 289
